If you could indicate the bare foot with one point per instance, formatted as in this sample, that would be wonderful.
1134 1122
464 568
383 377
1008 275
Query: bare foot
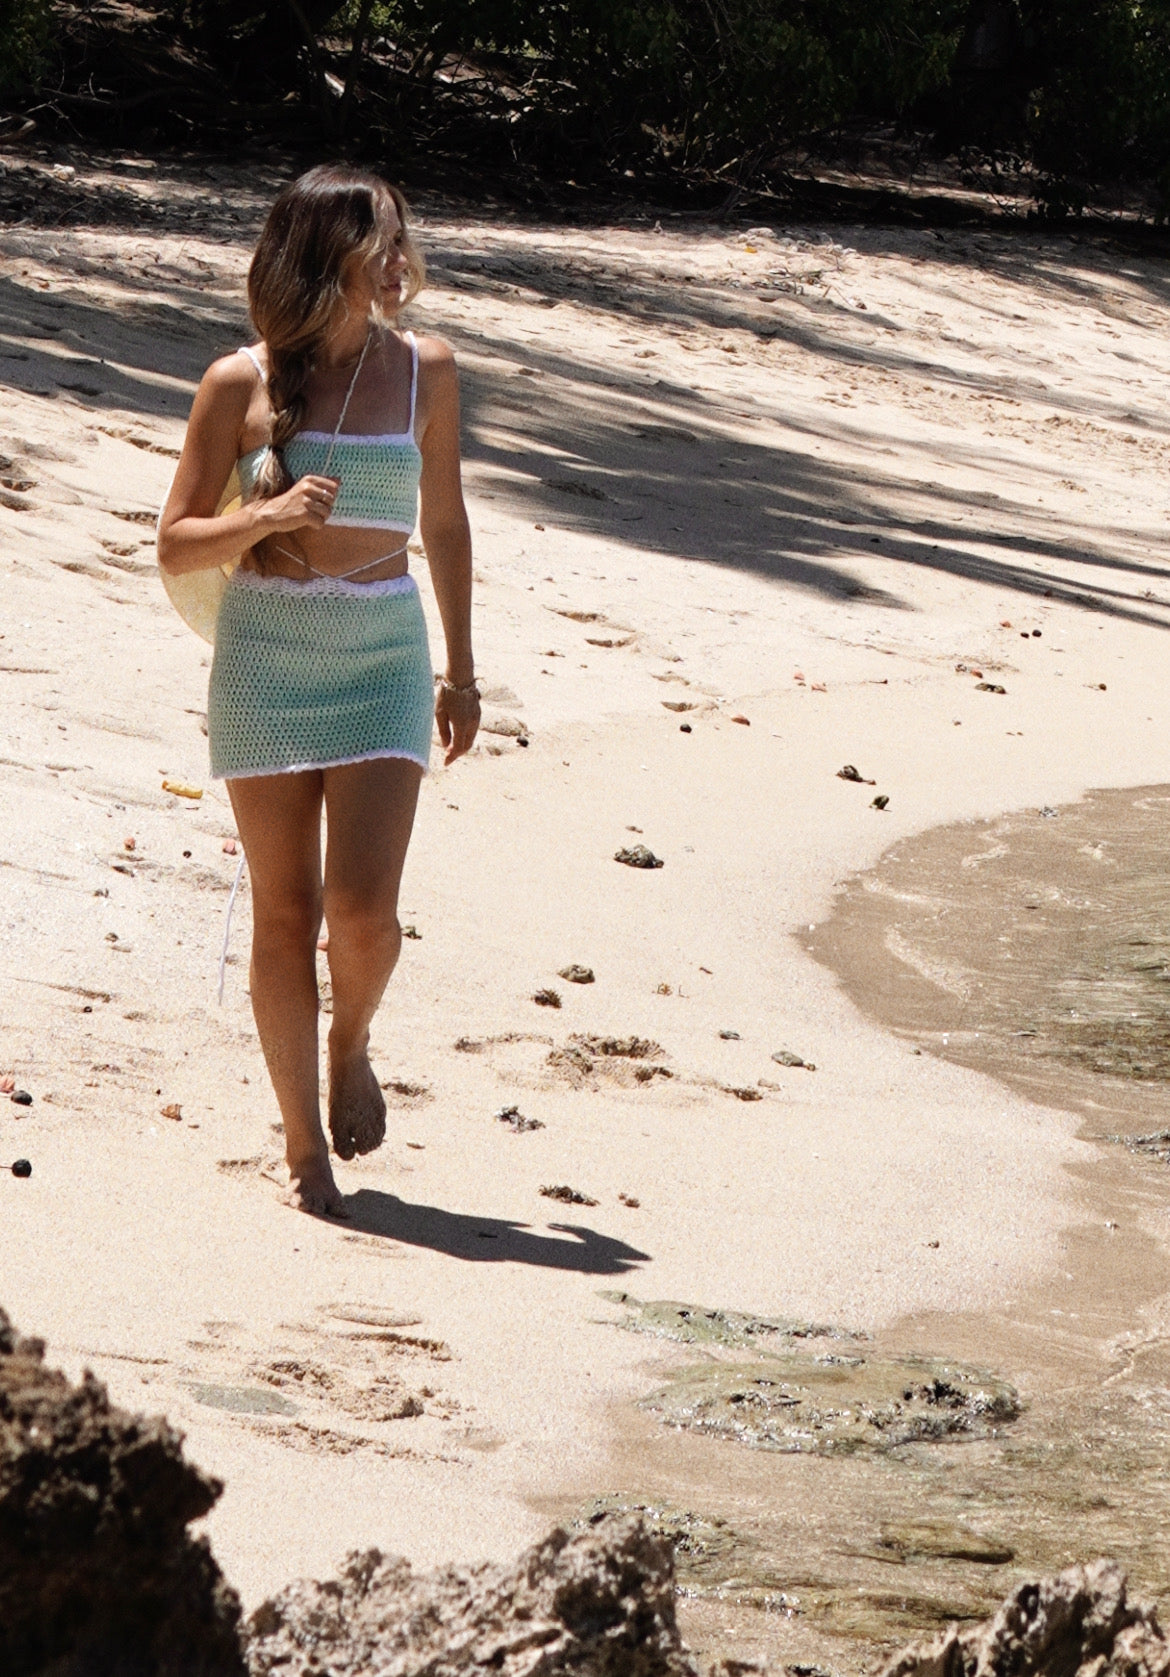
311 1188
357 1111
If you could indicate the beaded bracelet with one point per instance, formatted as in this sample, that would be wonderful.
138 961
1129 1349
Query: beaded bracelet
447 686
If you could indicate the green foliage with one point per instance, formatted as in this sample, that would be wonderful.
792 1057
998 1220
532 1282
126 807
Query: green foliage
701 81
24 32
1101 98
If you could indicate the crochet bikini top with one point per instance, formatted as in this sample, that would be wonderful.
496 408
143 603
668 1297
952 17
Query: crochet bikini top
379 474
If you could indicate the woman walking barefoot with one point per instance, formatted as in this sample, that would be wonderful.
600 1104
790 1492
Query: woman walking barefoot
341 427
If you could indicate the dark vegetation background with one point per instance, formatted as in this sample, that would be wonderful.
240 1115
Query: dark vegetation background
1058 108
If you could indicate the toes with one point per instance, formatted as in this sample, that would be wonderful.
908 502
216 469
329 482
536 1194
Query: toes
344 1141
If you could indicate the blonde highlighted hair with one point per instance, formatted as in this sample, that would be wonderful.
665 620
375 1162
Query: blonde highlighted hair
323 225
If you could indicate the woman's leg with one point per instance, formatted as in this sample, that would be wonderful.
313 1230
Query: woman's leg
279 818
369 811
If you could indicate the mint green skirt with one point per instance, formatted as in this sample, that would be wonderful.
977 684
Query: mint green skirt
313 675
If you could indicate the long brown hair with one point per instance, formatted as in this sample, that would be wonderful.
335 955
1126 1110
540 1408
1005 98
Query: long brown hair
321 226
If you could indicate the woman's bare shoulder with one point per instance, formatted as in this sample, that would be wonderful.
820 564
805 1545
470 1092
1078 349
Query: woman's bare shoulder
433 351
234 372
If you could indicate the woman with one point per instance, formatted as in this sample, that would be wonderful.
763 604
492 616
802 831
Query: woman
340 426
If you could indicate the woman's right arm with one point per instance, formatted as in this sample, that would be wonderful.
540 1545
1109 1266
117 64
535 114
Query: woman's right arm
190 536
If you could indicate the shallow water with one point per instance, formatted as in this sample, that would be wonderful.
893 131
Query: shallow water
1035 947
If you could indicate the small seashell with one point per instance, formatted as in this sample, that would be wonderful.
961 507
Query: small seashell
180 789
174 1111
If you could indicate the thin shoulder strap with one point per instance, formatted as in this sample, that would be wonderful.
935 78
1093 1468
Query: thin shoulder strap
413 342
244 350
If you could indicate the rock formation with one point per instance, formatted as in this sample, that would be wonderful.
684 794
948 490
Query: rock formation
1079 1622
97 1571
599 1603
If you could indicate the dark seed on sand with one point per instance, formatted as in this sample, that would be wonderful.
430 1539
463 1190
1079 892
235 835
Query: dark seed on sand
567 1195
628 1199
547 998
21 1167
638 856
880 801
21 1097
515 1119
729 1036
576 974
855 775
685 728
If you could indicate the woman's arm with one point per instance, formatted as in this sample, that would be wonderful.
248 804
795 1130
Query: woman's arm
446 537
190 536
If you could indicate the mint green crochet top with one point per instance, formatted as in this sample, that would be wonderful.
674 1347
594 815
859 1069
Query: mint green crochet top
379 474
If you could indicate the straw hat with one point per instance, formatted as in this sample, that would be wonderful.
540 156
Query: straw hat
196 595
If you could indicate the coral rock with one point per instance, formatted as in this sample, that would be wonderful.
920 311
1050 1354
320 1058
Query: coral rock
97 1571
599 1602
1078 1622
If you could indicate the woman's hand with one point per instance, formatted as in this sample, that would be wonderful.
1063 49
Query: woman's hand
306 505
457 714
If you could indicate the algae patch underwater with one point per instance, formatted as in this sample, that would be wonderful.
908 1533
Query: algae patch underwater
796 1398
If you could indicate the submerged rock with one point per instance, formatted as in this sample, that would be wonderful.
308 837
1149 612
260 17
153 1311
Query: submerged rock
598 1602
835 1405
97 1571
1078 1622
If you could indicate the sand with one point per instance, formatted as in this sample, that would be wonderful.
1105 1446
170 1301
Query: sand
790 476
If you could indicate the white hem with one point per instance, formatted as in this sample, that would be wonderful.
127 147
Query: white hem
334 763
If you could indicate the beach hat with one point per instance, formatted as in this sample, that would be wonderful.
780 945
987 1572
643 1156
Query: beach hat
196 595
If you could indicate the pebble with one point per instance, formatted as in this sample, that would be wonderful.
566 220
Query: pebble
851 773
577 974
685 728
547 998
638 856
729 1036
880 802
21 1097
20 1167
785 1057
989 687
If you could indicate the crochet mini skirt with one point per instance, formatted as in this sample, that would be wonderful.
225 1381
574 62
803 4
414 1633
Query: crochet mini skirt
311 675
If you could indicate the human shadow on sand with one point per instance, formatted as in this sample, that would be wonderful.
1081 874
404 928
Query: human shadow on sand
492 1240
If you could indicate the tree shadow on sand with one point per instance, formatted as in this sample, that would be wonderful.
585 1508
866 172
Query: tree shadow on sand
492 1240
681 465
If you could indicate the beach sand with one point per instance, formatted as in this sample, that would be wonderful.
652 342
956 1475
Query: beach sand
807 494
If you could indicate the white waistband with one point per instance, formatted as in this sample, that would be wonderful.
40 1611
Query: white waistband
323 585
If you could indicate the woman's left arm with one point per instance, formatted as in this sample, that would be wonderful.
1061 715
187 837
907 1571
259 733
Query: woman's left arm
446 536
